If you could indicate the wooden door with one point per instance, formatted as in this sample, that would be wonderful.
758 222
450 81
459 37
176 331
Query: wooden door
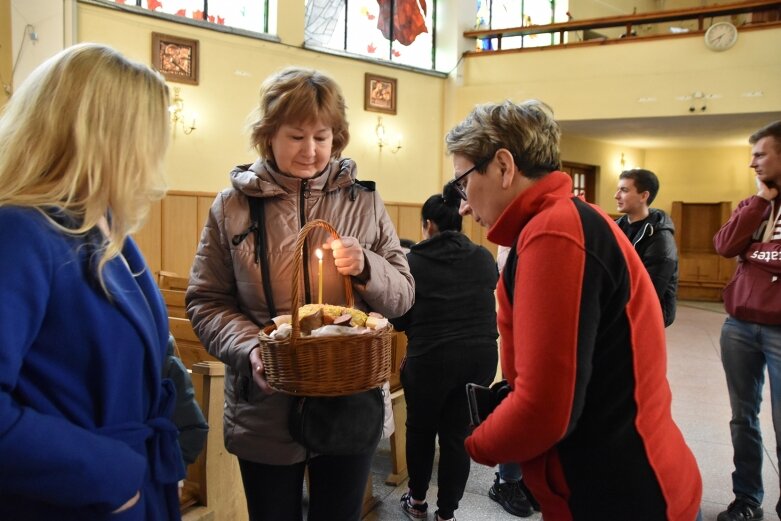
583 179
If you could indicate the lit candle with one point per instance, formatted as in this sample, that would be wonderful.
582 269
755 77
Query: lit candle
319 254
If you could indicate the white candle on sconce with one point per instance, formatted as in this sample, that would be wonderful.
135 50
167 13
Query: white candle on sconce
319 255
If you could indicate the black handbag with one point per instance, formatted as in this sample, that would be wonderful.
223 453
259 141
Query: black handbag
338 425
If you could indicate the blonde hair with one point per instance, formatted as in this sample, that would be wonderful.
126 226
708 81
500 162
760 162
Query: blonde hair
85 135
526 129
297 95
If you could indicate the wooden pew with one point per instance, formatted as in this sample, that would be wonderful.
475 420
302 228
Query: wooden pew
220 494
212 489
170 280
190 348
174 302
398 440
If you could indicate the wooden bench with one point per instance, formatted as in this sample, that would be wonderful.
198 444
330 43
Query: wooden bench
398 440
171 280
214 480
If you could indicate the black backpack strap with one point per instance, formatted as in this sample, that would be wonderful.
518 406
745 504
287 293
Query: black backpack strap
508 273
369 186
258 217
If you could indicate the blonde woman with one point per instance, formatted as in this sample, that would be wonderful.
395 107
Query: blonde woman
84 415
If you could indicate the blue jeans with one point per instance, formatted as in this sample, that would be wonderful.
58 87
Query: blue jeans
510 471
746 348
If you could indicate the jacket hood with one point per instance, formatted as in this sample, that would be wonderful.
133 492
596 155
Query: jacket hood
446 247
656 218
261 179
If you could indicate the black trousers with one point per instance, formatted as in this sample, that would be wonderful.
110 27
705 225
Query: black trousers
434 389
336 487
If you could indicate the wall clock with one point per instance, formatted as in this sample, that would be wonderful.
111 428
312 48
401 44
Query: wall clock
721 36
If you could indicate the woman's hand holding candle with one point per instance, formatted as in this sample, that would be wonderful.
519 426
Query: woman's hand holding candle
348 255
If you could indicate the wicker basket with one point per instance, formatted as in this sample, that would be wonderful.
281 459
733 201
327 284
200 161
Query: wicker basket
325 366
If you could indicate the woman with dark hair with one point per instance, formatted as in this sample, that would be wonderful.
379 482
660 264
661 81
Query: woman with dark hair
451 332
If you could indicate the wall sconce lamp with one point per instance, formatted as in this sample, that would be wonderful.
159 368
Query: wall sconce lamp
177 114
622 162
379 130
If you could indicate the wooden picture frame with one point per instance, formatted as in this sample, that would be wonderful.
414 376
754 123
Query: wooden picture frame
379 94
176 58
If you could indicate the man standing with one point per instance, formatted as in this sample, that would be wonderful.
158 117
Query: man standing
582 335
751 335
651 233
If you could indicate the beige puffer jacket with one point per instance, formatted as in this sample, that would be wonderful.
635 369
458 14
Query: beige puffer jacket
225 298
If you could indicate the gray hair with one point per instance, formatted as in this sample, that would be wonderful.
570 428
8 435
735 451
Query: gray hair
526 129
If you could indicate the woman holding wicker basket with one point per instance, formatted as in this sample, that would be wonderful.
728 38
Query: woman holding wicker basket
299 131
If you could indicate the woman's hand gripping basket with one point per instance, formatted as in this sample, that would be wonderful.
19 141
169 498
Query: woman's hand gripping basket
324 365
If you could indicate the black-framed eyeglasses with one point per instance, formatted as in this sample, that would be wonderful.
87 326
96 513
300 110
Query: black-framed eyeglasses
458 182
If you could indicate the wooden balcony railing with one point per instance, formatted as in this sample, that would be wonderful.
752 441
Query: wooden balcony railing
762 10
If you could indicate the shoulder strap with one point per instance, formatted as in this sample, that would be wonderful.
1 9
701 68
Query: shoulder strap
508 273
258 218
368 186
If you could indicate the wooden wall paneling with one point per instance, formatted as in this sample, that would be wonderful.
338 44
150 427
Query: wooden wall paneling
204 205
409 222
703 273
180 233
149 238
393 213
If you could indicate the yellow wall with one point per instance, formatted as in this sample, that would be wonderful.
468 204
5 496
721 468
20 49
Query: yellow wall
606 82
702 174
581 83
6 55
232 69
607 158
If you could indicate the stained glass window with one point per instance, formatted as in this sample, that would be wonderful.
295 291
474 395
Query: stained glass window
503 14
363 27
250 15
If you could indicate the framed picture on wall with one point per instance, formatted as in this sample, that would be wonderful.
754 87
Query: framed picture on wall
176 58
379 94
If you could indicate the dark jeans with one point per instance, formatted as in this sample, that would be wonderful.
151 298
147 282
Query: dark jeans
435 392
336 486
746 349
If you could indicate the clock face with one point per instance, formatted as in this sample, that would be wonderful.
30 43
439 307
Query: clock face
721 36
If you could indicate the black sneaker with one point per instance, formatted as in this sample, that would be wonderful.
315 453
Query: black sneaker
534 503
412 510
511 497
739 510
440 518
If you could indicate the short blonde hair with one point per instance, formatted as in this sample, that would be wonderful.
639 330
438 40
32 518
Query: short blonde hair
297 95
526 129
86 134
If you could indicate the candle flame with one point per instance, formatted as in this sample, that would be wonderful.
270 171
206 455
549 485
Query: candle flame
319 253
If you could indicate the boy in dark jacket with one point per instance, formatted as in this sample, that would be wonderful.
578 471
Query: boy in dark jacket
651 233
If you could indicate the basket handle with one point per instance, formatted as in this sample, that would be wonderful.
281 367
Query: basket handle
297 264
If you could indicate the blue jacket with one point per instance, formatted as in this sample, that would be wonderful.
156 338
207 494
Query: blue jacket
84 411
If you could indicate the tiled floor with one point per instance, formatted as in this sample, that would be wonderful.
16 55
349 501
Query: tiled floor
700 406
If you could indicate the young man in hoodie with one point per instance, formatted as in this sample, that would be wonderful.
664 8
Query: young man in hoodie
751 335
651 232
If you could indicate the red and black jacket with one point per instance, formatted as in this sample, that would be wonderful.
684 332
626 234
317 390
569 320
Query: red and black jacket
583 344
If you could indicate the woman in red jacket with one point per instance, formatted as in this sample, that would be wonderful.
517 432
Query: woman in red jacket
581 331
